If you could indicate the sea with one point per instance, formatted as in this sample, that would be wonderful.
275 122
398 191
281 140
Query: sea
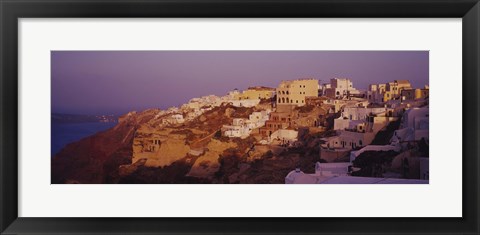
65 133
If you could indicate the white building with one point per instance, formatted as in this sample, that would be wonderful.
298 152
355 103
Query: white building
286 136
340 88
173 119
293 175
235 131
351 117
245 103
348 140
333 168
257 119
204 101
238 128
414 126
339 173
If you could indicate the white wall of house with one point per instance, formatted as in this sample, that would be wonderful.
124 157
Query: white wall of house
284 134
174 119
358 113
332 169
245 103
236 131
348 140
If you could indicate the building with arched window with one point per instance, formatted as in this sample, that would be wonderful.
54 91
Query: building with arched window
293 92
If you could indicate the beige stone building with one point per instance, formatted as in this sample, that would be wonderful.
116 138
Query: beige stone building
395 88
414 94
258 92
293 92
378 93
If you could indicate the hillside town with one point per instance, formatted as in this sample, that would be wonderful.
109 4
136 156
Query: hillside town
300 132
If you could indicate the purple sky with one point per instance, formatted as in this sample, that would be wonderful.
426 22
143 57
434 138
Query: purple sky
115 82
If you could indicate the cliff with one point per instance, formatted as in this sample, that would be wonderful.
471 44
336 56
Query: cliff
143 148
95 159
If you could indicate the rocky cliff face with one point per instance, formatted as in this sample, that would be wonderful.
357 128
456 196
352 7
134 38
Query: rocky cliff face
141 141
141 148
95 159
206 165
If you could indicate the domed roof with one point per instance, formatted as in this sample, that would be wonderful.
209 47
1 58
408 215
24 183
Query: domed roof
292 175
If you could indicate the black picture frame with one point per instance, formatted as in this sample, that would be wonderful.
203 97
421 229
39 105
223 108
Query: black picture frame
12 10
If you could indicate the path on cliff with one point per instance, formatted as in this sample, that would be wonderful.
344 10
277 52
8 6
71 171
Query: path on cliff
203 141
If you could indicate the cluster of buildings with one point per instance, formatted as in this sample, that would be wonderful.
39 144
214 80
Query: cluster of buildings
396 90
356 127
197 106
173 119
284 122
413 128
296 105
250 97
361 115
243 127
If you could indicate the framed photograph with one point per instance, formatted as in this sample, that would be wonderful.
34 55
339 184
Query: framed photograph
239 117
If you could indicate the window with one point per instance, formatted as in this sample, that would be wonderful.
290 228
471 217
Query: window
297 101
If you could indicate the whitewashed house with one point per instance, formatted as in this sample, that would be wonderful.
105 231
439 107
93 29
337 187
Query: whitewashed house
173 119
